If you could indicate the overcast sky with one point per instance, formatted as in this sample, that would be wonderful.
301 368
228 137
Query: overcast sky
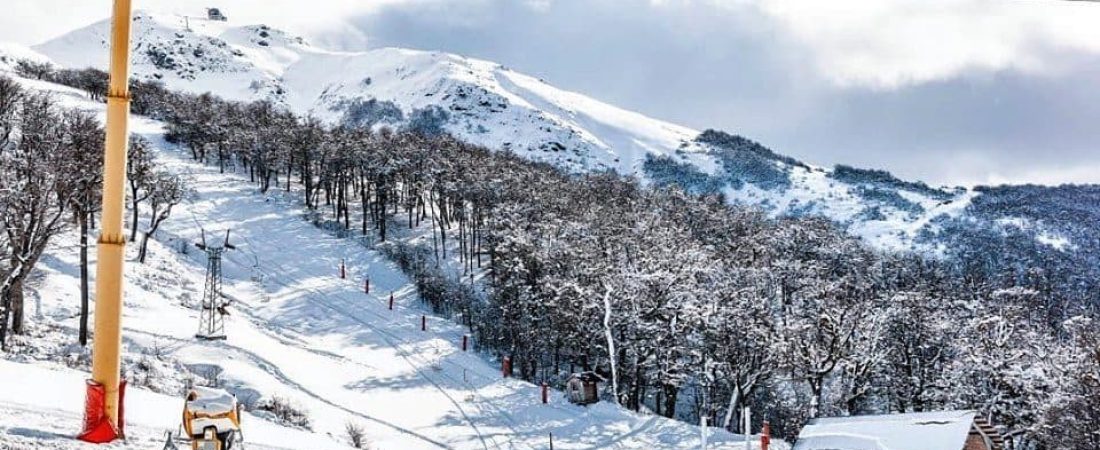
961 91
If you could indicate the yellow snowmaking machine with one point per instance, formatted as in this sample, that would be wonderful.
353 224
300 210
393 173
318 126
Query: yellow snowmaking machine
212 420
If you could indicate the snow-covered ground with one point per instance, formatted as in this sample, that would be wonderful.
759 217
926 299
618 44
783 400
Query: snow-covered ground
45 409
298 332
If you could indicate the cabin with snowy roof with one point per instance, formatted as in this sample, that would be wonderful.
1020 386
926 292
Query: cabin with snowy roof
215 14
583 388
944 430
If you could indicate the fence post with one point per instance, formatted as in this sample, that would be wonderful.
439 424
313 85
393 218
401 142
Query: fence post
366 286
423 323
464 339
343 270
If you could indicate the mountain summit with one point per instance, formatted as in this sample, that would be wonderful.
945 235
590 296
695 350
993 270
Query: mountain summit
478 101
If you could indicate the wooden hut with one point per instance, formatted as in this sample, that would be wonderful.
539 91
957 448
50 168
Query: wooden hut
584 388
215 14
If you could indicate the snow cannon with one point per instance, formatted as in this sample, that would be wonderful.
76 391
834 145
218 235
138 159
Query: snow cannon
212 419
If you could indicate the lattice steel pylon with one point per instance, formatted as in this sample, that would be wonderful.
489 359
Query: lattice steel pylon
213 307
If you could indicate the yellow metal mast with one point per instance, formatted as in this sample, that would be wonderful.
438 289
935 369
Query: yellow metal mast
106 357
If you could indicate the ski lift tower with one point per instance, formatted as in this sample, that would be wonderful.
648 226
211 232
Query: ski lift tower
213 312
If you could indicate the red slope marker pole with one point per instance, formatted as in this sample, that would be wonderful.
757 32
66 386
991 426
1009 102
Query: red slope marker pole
766 436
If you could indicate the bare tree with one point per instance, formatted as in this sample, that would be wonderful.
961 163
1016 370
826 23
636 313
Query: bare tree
84 152
36 176
356 435
166 192
10 96
139 174
27 68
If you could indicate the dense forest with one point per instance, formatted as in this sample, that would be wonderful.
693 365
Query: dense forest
689 307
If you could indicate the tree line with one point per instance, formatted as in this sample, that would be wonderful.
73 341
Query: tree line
51 174
689 307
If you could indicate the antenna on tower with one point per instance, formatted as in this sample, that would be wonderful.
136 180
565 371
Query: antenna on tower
214 304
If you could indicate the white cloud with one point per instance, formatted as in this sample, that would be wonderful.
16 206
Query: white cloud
882 44
945 91
887 44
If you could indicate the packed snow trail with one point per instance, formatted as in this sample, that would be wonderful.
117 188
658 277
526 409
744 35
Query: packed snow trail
390 338
262 242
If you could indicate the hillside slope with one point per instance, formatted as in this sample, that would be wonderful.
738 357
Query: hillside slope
296 332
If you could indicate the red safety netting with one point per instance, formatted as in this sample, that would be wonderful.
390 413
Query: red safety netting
97 428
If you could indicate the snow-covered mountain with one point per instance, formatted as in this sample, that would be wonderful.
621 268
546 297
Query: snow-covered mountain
488 104
481 101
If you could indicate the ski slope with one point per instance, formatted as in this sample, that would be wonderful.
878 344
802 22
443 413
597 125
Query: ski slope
297 331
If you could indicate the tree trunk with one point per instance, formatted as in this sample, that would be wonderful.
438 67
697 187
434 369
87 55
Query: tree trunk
5 304
142 248
15 297
83 279
731 412
815 398
134 211
671 393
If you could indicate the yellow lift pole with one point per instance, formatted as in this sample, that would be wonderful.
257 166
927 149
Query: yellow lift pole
106 357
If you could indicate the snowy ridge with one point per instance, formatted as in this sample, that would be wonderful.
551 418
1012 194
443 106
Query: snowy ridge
11 54
484 103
